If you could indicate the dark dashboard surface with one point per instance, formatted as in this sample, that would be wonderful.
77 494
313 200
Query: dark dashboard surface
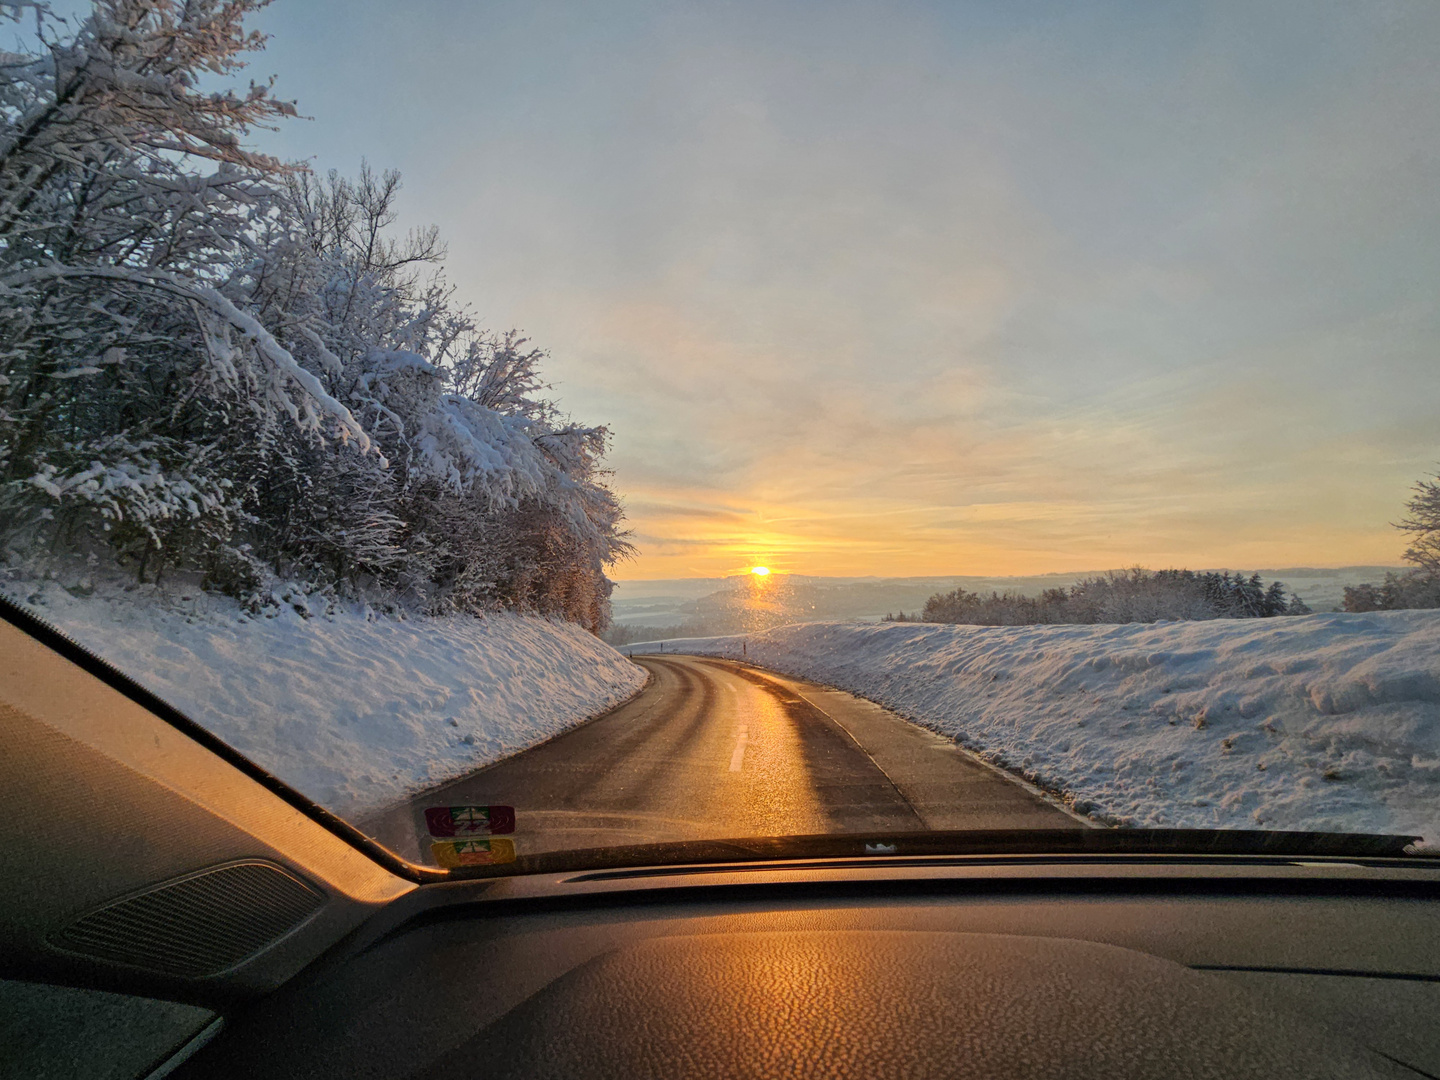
802 973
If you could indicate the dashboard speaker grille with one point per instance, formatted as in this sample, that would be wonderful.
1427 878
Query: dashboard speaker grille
198 925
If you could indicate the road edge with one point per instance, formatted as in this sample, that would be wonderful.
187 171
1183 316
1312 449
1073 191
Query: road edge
363 824
1053 798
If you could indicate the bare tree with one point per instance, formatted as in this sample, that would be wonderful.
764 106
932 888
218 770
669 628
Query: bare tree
1423 524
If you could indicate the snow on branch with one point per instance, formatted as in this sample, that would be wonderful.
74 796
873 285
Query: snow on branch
217 305
185 323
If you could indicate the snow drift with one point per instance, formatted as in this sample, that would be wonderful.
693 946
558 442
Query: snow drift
355 709
1325 722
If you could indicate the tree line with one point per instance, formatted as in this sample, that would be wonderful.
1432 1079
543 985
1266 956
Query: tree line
1140 595
1135 595
216 361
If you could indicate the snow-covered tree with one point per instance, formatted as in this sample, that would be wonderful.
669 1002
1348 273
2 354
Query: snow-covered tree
212 359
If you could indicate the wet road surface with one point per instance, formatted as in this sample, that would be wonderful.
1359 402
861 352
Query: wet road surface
712 749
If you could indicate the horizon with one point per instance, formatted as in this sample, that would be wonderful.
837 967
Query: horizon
1298 568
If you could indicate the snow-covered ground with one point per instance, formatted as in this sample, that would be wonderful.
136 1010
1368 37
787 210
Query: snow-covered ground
1326 722
353 708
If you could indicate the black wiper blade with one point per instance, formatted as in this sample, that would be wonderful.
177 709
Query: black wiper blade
984 842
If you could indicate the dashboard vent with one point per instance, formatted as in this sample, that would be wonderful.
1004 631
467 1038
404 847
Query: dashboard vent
198 925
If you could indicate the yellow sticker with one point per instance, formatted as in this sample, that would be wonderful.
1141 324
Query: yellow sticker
452 854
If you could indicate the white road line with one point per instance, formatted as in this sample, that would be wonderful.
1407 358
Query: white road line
738 757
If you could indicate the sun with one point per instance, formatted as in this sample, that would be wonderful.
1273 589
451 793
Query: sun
759 571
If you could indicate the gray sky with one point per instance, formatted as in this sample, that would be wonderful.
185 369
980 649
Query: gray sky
911 288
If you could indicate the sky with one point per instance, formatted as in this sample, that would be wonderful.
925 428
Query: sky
934 288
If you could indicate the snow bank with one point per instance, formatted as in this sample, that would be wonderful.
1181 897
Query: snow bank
355 709
1327 722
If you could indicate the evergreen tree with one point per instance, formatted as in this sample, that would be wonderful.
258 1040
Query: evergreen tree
1134 595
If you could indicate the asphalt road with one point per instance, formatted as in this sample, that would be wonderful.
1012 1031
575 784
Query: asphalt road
712 749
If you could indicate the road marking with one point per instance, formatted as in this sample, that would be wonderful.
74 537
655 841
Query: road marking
738 757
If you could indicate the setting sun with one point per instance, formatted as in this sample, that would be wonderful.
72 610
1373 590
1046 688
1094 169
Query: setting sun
760 570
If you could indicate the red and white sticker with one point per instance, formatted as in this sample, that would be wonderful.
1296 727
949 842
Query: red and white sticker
469 820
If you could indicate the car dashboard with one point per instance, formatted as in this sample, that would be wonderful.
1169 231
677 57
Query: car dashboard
1117 967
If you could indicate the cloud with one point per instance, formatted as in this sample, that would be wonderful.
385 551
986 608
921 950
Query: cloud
923 288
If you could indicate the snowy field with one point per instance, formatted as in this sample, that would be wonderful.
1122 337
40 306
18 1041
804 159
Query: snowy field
353 708
1325 722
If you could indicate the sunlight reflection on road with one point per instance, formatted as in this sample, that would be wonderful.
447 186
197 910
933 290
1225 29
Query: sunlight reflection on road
773 793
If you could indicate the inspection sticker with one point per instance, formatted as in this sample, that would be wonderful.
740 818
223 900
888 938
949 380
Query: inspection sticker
469 820
456 853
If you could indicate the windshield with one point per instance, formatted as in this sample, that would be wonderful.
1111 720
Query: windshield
753 430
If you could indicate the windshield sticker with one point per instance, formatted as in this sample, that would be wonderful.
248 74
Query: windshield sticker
456 853
469 820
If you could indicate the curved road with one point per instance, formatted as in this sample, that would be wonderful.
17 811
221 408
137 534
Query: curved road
712 749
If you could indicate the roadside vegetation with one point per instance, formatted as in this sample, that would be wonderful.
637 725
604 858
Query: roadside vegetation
221 364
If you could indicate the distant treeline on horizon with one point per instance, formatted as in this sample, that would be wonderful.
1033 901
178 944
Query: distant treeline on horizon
1135 595
1124 596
